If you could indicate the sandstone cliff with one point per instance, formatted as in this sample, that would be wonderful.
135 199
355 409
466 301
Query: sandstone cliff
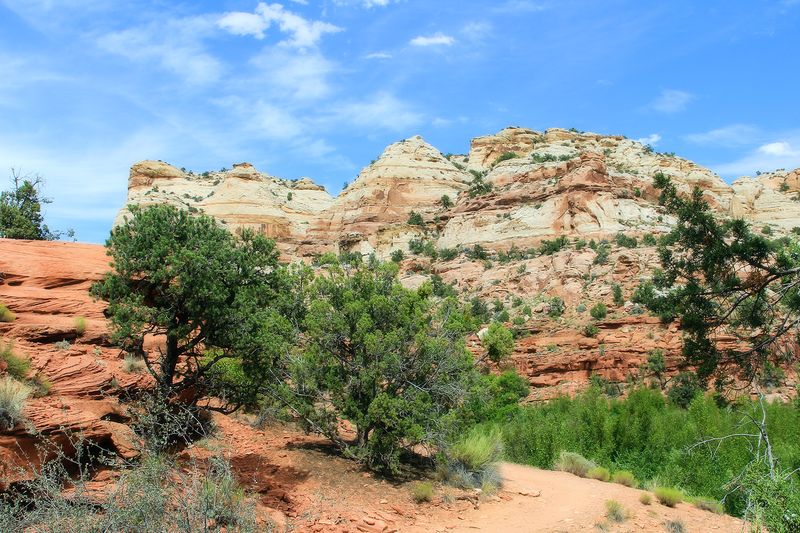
545 184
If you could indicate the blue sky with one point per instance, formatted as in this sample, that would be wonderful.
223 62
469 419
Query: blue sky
319 87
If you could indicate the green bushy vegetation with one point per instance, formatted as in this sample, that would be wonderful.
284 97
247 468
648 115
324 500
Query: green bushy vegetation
422 492
668 496
651 438
599 473
623 477
415 219
6 315
471 462
397 256
599 311
16 366
498 341
80 325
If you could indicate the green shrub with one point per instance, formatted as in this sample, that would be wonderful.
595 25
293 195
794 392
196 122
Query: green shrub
498 341
648 239
479 187
623 477
602 252
548 247
616 290
13 395
599 311
615 512
645 498
448 254
415 219
422 492
556 307
574 463
685 388
80 325
591 330
623 240
505 156
16 366
446 202
6 315
478 253
668 496
599 473
397 256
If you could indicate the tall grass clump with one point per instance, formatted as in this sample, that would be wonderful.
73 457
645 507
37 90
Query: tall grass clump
471 462
623 477
422 492
575 463
668 496
615 512
16 366
6 315
599 473
13 395
79 323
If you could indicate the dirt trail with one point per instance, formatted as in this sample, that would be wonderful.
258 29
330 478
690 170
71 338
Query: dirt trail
535 500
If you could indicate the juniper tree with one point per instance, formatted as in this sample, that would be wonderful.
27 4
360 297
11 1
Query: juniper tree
211 297
722 280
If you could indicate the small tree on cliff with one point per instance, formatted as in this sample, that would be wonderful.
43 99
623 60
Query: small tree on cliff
721 279
21 210
381 357
206 293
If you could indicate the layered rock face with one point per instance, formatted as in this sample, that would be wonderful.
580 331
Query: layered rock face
546 184
46 285
240 197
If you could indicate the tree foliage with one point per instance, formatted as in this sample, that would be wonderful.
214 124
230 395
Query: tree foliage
381 357
721 279
21 211
498 341
212 297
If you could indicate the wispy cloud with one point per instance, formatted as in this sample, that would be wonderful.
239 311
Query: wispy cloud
728 136
671 101
651 139
520 6
783 152
378 55
437 39
365 3
302 32
175 44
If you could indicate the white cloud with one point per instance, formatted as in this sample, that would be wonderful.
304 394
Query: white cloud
438 39
651 139
365 3
303 33
729 136
779 148
378 55
382 111
671 101
780 153
239 23
520 6
293 75
176 44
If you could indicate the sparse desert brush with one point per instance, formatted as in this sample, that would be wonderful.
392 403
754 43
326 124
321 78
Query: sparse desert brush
645 498
623 477
63 345
574 463
708 505
13 395
668 496
422 492
41 386
615 512
132 364
675 526
80 325
16 366
599 473
6 315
